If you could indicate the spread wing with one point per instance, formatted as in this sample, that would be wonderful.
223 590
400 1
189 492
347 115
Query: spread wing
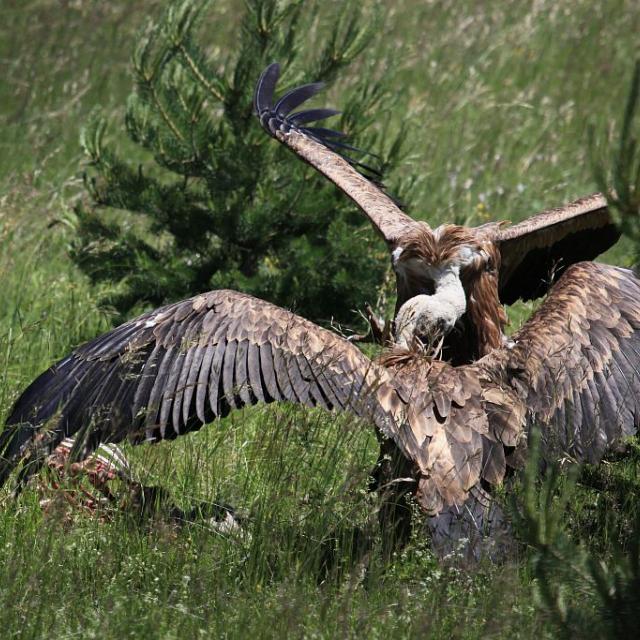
573 370
326 151
537 250
174 369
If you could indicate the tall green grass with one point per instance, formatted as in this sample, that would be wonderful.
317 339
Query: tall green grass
497 98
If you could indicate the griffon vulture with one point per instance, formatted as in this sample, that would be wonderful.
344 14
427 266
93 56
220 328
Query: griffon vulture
454 426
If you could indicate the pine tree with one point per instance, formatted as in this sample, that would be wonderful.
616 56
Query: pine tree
220 204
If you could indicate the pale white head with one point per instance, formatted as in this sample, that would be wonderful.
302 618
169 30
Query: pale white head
426 319
430 266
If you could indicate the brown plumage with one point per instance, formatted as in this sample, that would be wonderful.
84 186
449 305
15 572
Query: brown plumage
506 263
485 314
540 248
455 427
482 325
573 370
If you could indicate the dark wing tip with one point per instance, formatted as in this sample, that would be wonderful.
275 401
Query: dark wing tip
279 117
312 115
263 94
296 97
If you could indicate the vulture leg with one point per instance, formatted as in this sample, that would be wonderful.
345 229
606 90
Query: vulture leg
392 480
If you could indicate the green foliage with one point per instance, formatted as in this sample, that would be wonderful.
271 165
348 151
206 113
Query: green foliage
221 205
587 592
619 176
499 100
591 587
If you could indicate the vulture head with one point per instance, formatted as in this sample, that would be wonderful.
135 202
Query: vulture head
438 272
426 319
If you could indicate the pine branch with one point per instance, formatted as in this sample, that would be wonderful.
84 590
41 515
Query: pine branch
198 73
621 182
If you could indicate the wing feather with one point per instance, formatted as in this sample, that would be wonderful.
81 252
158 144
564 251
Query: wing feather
282 376
192 382
203 382
169 393
535 252
575 365
189 362
255 376
147 380
180 388
267 368
312 115
159 388
572 371
320 148
568 372
263 95
228 386
298 382
243 384
296 97
215 376
337 398
318 396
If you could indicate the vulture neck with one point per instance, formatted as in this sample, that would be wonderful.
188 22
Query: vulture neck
449 292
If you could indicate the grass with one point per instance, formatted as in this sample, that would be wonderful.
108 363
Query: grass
498 98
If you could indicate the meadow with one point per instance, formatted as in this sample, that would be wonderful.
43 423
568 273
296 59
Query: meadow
498 99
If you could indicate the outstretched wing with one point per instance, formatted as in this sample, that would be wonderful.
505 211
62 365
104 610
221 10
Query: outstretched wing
326 151
574 367
573 370
536 251
174 369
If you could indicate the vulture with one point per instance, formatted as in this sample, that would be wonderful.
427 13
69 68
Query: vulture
452 428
